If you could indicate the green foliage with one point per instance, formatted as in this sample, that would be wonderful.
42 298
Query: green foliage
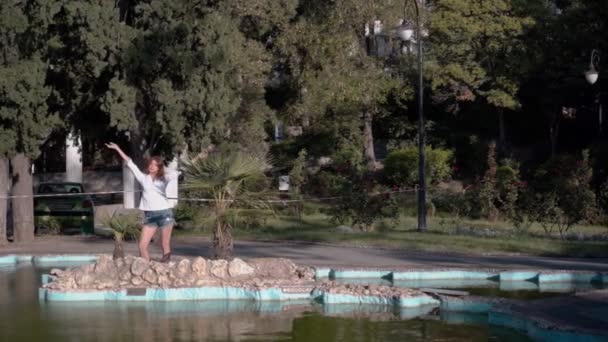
401 166
562 193
477 48
297 175
362 202
25 121
123 225
229 179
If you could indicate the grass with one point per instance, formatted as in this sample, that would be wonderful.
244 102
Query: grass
440 237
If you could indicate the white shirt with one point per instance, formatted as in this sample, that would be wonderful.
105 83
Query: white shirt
154 194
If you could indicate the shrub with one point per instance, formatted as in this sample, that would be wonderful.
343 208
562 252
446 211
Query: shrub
363 202
562 193
401 166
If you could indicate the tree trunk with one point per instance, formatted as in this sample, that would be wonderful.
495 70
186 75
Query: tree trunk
502 131
368 141
23 207
222 241
554 124
119 250
4 184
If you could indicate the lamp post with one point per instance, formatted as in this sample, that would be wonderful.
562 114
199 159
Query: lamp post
592 76
408 32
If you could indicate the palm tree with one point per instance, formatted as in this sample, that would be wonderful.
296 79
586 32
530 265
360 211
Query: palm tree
124 225
228 178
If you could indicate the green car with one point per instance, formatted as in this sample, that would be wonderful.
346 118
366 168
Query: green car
63 208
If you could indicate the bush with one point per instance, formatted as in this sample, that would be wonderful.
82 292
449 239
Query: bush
325 183
401 166
363 202
562 193
452 203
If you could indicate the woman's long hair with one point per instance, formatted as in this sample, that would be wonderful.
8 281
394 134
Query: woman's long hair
160 163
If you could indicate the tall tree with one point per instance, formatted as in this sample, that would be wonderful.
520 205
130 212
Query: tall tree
476 51
25 119
327 56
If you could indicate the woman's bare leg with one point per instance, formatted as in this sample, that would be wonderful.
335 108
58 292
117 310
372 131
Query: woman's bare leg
166 238
147 233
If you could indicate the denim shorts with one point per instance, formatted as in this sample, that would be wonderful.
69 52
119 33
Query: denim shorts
158 218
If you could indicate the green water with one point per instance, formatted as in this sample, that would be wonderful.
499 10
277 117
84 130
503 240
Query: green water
24 318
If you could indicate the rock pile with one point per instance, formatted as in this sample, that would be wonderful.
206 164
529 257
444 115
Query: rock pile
132 271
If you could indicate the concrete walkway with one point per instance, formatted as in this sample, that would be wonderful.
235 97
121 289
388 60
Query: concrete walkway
314 254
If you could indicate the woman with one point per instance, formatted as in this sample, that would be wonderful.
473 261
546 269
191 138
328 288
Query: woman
158 213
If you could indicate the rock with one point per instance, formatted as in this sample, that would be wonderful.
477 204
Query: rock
238 267
164 281
128 260
56 272
160 268
199 267
119 263
219 268
139 266
276 268
306 273
150 276
183 267
137 281
104 263
84 279
105 285
124 274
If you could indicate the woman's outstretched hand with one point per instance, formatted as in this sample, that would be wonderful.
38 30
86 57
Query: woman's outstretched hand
112 146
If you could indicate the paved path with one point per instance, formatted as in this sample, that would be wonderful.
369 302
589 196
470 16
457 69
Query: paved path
316 254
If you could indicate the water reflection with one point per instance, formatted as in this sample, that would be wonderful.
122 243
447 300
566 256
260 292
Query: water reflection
24 318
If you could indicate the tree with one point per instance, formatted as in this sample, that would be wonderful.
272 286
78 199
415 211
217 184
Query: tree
230 179
25 118
297 175
476 51
334 76
189 77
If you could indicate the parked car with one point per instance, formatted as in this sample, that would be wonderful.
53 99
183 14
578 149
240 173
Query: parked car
66 214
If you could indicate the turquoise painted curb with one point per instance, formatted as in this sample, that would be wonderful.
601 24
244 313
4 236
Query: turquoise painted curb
336 274
406 302
8 260
435 275
62 259
24 259
45 279
444 283
338 298
569 277
530 328
199 308
517 276
178 294
322 272
466 305
411 302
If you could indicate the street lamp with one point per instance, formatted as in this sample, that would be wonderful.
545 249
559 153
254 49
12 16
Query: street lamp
592 76
407 32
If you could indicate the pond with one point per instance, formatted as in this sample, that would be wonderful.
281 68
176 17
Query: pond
24 318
